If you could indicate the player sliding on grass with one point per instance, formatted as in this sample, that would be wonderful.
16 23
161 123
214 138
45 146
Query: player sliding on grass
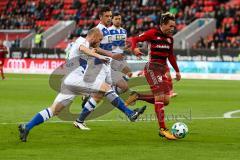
80 80
155 71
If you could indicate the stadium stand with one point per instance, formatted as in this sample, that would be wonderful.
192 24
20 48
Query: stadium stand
138 16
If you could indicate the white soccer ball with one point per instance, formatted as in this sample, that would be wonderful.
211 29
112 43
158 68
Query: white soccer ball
179 130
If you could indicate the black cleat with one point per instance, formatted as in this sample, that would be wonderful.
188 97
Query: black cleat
23 132
137 113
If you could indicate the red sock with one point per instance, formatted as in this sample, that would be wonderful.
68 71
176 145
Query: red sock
2 75
147 97
159 110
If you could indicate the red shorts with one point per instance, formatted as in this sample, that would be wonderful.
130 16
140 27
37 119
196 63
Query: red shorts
155 74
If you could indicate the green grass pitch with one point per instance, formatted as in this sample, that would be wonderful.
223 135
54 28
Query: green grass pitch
201 104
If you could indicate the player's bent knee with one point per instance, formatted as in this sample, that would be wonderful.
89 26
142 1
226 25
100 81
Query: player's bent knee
159 98
105 87
166 102
123 85
97 97
124 88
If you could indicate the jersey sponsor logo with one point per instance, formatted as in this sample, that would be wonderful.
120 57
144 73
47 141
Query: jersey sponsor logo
120 37
163 46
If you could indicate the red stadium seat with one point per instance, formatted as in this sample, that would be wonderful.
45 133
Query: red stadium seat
68 1
56 11
83 1
71 11
67 6
199 14
208 9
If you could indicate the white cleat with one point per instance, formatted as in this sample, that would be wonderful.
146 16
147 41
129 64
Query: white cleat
81 126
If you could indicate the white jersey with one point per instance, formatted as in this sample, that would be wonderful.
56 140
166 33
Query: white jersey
106 42
119 37
74 52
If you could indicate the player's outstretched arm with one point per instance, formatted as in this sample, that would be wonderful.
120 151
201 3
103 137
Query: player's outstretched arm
110 54
173 62
92 52
146 36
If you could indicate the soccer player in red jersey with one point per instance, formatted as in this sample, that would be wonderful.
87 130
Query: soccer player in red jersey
156 70
3 51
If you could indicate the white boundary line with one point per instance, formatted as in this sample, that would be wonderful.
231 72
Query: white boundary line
229 114
111 120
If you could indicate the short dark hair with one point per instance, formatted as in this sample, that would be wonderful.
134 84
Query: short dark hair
116 13
104 9
165 17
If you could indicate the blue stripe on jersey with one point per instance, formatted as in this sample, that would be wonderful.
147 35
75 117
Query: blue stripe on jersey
114 31
83 63
105 32
120 43
106 46
97 61
123 31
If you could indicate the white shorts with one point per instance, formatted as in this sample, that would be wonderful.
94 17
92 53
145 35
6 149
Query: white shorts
118 65
116 70
77 83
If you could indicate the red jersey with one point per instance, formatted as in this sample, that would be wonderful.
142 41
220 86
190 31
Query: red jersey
3 51
161 47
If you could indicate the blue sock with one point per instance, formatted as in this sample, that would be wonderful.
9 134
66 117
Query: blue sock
118 102
88 108
39 118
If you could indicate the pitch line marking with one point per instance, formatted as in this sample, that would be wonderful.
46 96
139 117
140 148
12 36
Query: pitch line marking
112 120
229 114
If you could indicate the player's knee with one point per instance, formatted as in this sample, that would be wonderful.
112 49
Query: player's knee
56 108
124 88
166 102
105 87
97 97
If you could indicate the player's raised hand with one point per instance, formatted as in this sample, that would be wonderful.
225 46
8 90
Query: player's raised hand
178 76
138 53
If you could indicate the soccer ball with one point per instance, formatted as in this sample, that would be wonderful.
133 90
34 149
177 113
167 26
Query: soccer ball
179 130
